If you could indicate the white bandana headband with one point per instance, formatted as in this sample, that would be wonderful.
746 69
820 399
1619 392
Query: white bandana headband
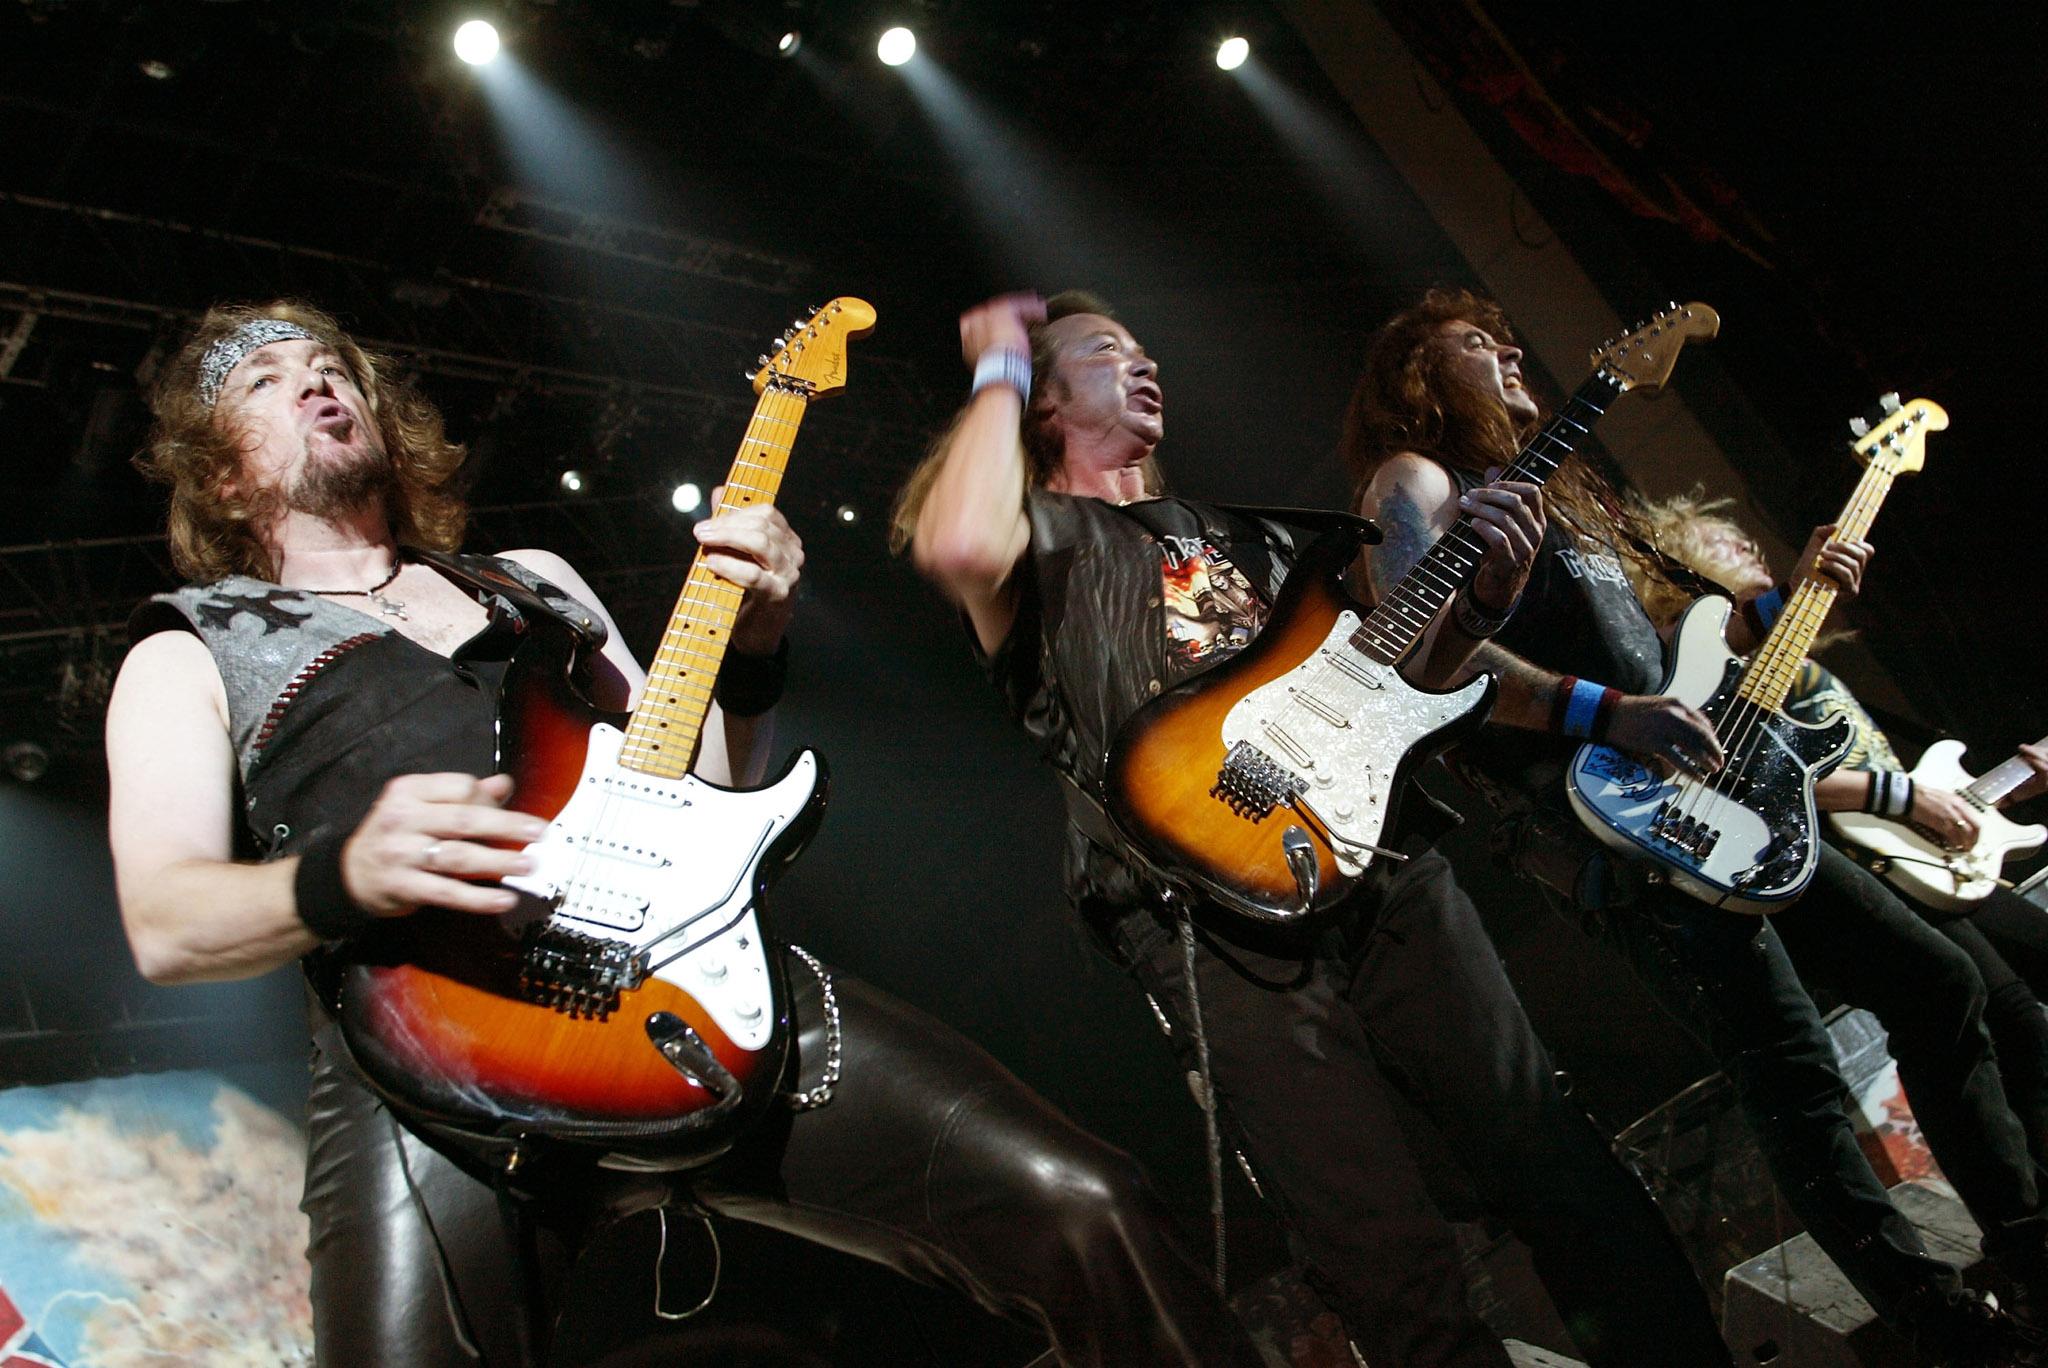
224 355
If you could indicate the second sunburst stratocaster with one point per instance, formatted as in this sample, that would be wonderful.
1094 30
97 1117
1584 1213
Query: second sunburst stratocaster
1266 783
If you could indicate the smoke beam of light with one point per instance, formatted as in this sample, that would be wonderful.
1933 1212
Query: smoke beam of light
1334 158
1046 226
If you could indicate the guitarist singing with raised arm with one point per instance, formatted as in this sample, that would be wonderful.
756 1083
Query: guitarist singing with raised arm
1442 399
336 669
1088 593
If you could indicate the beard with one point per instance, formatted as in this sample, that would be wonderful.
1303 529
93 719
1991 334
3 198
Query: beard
333 484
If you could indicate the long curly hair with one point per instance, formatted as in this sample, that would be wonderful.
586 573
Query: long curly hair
1408 399
1043 446
216 524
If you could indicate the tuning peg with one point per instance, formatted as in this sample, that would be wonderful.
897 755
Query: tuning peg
750 376
1859 427
1890 402
761 361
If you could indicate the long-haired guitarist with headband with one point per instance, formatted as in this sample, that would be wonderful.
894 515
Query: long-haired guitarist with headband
1088 591
302 755
1442 399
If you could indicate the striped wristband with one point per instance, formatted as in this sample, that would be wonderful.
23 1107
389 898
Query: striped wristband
1890 794
1003 366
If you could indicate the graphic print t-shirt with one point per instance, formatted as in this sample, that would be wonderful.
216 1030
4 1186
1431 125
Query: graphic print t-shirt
1212 611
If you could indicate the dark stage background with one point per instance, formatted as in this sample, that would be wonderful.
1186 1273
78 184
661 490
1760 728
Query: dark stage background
579 250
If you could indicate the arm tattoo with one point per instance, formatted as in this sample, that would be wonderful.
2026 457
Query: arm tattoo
1407 537
1526 689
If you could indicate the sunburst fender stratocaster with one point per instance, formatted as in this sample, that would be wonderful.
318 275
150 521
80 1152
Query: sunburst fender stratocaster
1928 870
1744 839
631 1006
1266 782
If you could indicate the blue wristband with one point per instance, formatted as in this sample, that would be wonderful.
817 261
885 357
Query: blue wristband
1768 606
1582 708
1003 366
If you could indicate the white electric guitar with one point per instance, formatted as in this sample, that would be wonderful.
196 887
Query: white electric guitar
1929 871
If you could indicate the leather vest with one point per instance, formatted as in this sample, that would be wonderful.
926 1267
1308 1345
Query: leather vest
327 704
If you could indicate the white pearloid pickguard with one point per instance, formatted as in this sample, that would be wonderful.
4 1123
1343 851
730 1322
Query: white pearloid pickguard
1342 723
667 866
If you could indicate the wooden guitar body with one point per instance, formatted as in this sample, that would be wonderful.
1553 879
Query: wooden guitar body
1925 870
1745 841
559 1018
1300 717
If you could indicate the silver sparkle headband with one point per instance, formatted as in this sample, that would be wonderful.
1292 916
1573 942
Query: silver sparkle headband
226 354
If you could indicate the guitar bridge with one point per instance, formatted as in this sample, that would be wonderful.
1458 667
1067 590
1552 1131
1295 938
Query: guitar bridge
578 974
1251 783
1687 834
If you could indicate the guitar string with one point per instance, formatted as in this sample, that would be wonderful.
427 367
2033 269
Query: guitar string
1748 735
692 604
1382 631
1813 599
1744 727
1382 628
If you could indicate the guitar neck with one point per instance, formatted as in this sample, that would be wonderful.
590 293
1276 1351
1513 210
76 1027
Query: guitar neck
662 736
1768 680
1991 787
1390 631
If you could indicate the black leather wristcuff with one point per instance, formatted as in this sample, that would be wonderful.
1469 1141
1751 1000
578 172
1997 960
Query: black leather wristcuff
322 899
749 685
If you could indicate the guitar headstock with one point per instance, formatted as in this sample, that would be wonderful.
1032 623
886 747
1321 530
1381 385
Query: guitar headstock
1899 428
810 358
1642 358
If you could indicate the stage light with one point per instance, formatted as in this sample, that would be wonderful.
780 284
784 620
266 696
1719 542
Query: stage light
1231 52
896 47
788 43
572 482
476 42
687 498
848 514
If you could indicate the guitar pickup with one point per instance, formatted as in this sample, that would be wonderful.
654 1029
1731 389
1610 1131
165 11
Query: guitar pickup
640 790
613 908
617 850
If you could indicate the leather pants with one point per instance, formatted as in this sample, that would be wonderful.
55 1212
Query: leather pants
930 1159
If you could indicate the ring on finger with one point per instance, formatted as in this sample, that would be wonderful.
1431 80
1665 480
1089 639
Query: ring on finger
429 855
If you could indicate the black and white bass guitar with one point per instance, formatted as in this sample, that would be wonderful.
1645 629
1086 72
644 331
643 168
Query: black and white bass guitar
1745 839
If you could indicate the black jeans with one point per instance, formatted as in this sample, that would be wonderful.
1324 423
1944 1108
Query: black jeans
1324 1049
2006 938
1730 979
930 1159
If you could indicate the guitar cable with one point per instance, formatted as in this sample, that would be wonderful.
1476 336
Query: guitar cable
1208 1098
458 1314
661 1257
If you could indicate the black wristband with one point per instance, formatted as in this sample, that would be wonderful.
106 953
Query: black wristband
1475 621
749 685
321 898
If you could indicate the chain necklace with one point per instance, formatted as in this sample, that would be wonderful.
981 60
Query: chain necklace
389 607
